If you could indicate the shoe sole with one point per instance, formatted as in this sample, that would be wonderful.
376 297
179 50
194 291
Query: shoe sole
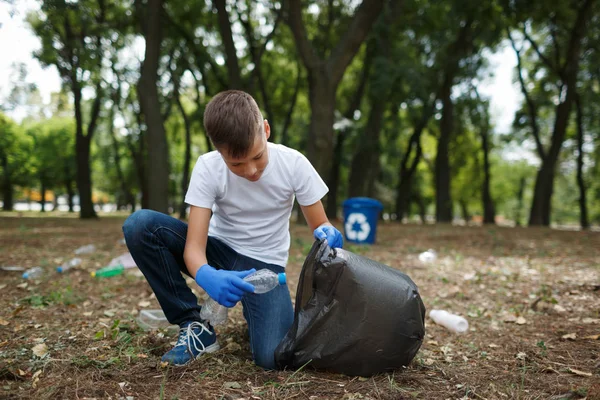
210 349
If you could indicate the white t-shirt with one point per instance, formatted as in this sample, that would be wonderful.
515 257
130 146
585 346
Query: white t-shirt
253 218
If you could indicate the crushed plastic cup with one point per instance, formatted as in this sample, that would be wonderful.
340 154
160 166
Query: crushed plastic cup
428 256
87 249
154 319
452 322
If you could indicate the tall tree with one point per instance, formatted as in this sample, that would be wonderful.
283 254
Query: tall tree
151 17
561 58
72 40
326 72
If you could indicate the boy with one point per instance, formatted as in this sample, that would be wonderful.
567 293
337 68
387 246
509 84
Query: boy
249 186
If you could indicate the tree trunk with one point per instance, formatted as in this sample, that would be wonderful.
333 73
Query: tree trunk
520 196
7 187
489 213
127 195
443 200
157 154
464 207
188 154
83 176
583 214
340 138
231 60
405 173
320 135
365 163
69 188
43 195
544 185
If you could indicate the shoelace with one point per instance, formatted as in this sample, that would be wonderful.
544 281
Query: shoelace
192 338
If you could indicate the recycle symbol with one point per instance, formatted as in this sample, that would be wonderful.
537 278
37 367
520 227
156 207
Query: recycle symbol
357 227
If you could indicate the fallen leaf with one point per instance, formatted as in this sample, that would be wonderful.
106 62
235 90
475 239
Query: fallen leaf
4 322
22 285
141 355
109 313
232 385
570 336
433 343
36 378
493 345
363 378
40 350
37 326
164 364
88 313
521 321
122 385
22 373
144 304
428 361
521 356
3 286
591 337
580 373
2 344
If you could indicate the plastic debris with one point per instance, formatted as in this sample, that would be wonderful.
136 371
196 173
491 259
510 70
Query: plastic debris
452 322
87 249
428 256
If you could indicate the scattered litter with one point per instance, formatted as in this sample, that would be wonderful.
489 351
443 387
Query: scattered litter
12 268
570 336
69 264
126 260
521 321
521 356
154 319
428 256
33 273
449 321
87 249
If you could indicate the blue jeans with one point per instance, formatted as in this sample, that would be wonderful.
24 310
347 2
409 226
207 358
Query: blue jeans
156 242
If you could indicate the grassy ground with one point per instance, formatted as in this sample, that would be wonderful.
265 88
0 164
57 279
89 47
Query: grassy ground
532 298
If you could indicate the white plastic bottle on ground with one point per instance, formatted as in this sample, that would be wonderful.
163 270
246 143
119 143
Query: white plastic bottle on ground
69 264
33 273
452 322
263 281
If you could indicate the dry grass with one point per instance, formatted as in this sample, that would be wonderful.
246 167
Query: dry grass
492 276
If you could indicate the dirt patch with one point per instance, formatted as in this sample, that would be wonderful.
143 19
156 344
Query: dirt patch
531 296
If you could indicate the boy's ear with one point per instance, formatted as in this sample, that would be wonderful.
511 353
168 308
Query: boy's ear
267 129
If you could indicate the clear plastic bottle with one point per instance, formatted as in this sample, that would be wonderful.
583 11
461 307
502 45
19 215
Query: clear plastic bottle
87 249
263 281
33 273
69 264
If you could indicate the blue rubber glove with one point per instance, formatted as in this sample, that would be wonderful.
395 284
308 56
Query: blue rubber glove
225 287
333 236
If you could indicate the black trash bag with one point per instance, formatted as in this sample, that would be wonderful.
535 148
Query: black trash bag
353 316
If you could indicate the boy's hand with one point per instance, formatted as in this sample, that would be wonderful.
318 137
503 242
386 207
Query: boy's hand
333 236
225 287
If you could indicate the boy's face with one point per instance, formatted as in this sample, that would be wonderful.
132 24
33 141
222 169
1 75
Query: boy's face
252 166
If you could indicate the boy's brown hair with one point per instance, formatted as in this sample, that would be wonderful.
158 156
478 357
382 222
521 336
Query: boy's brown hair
232 120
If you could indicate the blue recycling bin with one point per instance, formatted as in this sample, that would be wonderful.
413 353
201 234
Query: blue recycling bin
360 219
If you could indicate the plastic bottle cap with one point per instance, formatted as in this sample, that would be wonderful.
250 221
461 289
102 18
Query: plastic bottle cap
25 275
59 269
282 278
93 273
